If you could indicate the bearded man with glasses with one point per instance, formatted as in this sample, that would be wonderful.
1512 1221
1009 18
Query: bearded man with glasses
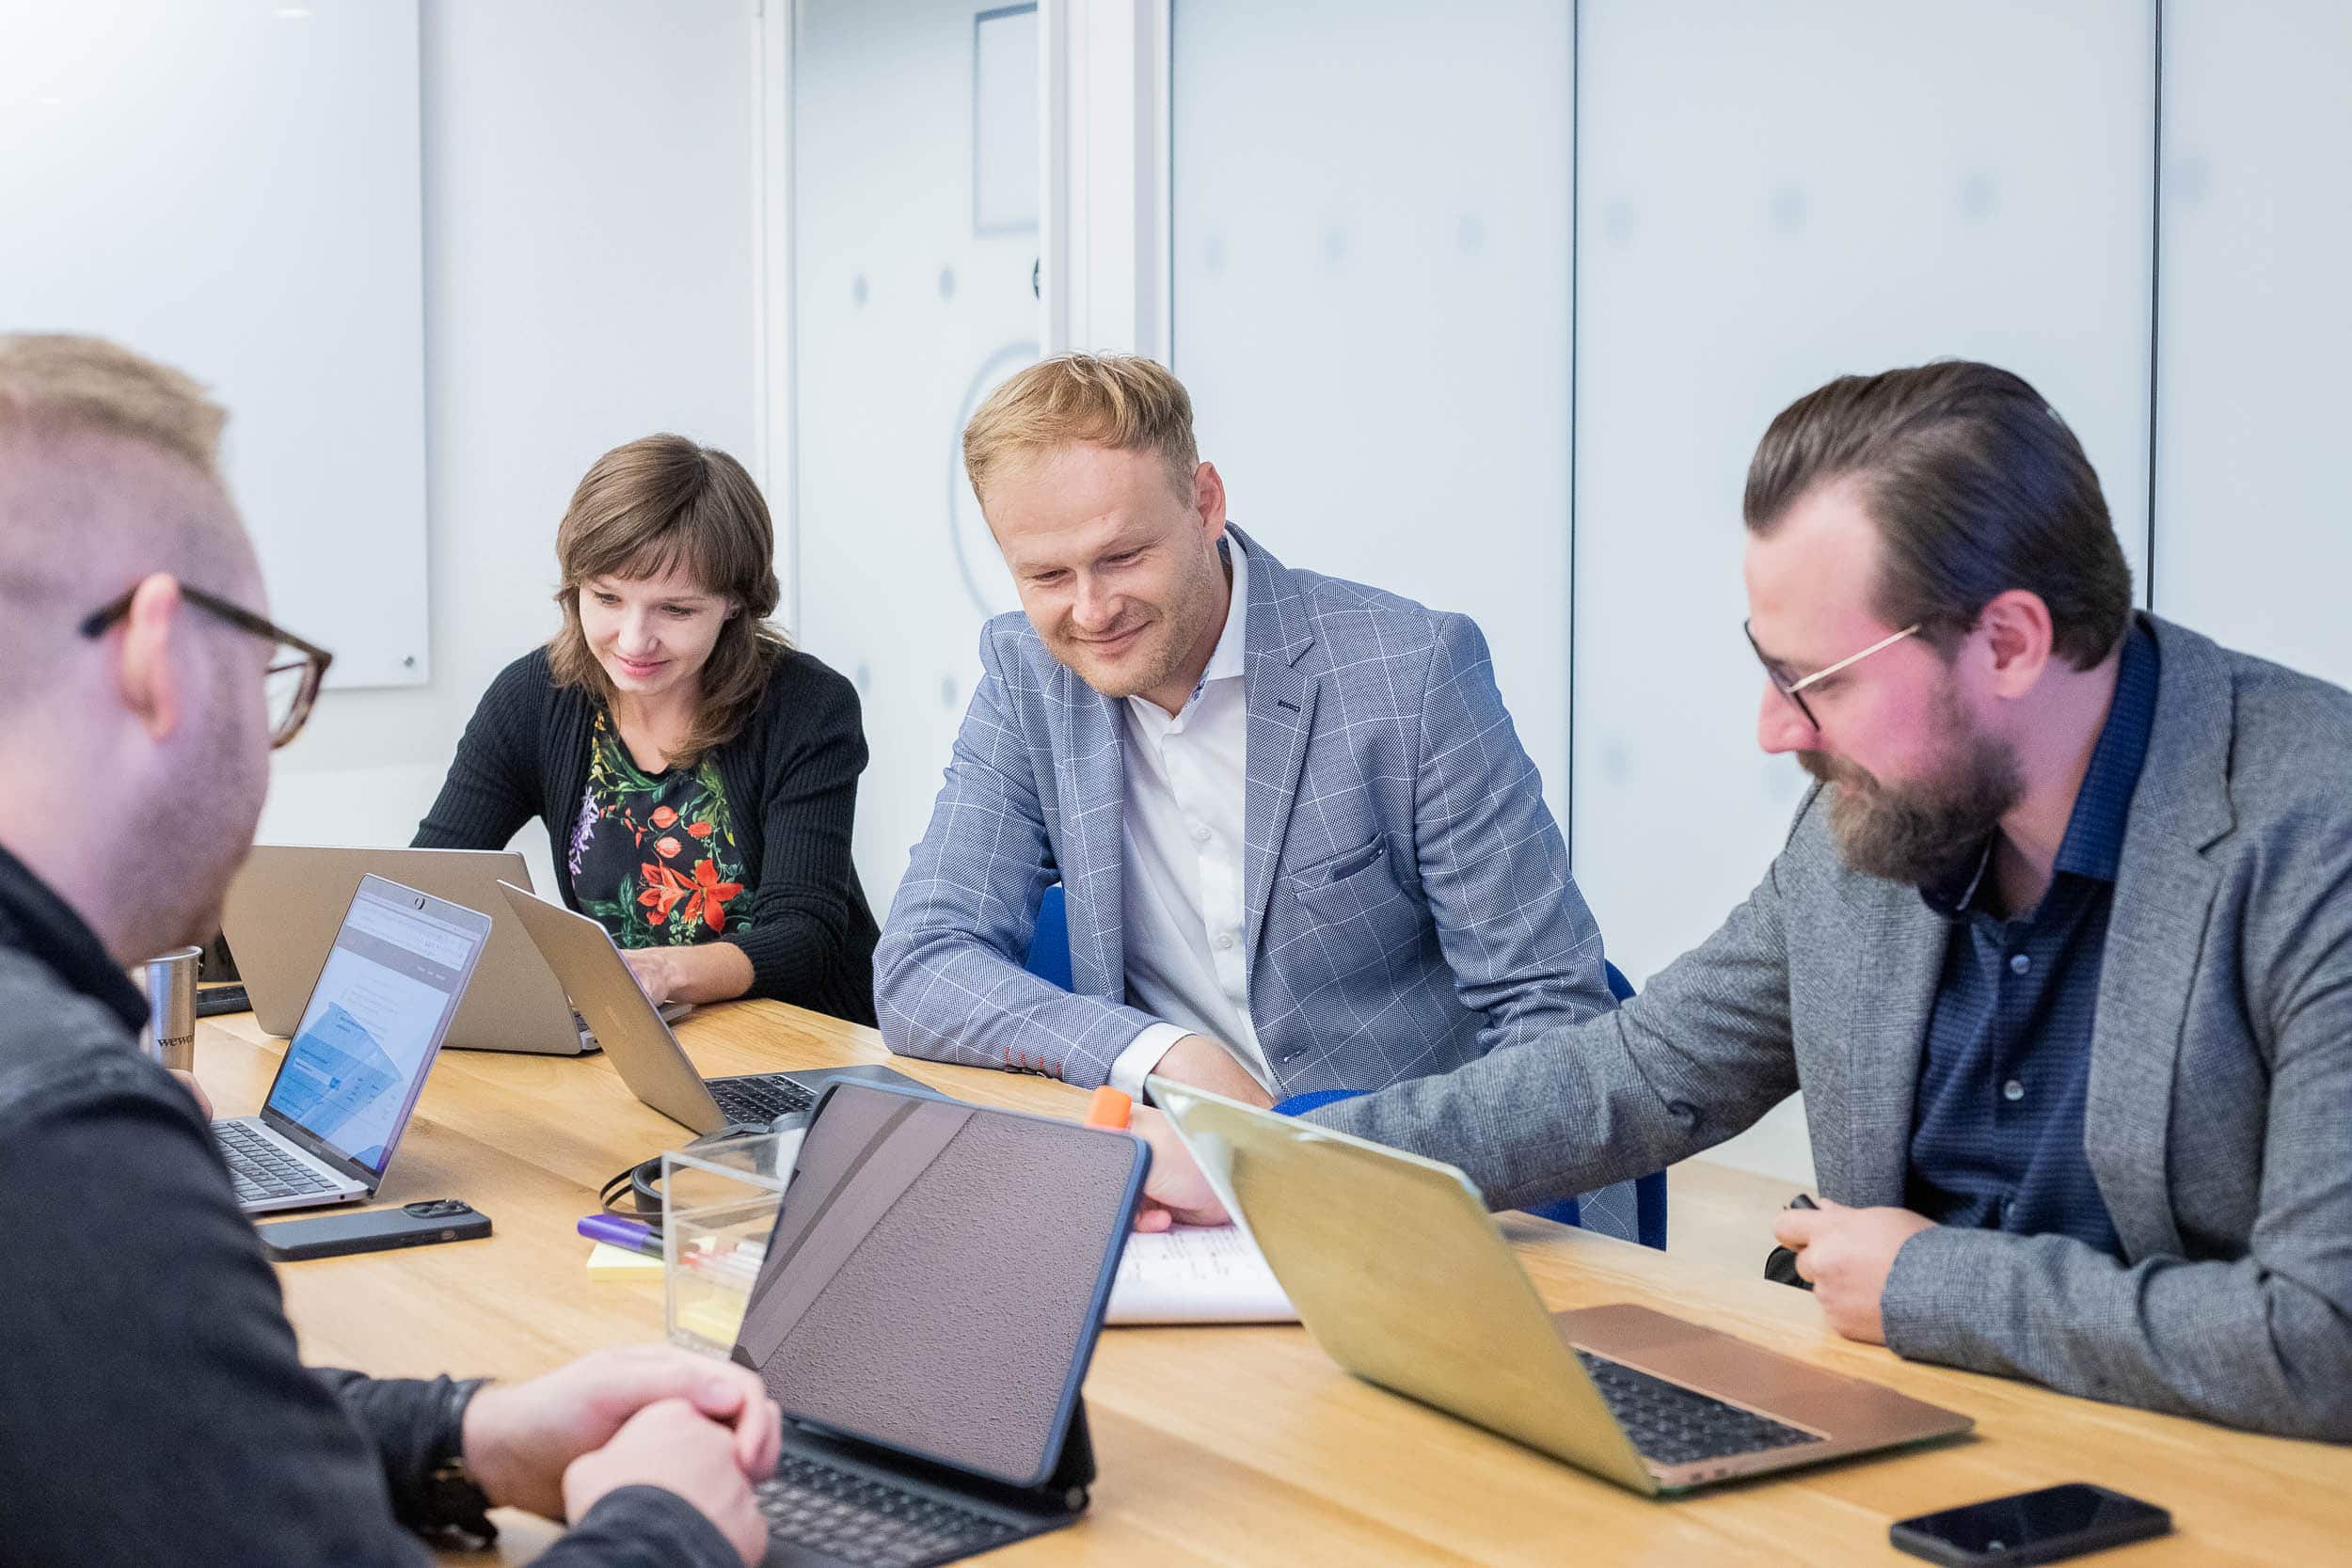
2059 949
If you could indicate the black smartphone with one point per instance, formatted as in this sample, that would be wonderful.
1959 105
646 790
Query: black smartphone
2029 1526
439 1219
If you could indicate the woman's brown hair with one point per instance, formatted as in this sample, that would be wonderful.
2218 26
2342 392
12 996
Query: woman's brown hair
660 503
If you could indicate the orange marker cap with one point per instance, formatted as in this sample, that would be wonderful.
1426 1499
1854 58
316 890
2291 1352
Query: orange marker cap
1110 1107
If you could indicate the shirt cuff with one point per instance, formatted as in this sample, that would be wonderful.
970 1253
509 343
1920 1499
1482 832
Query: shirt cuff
1131 1067
406 1420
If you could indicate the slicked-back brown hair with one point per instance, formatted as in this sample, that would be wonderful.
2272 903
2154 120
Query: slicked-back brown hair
1121 402
661 503
1977 486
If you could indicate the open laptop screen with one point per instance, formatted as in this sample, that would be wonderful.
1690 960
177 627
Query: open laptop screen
375 1018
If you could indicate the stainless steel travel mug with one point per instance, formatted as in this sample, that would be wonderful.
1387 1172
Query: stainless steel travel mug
170 981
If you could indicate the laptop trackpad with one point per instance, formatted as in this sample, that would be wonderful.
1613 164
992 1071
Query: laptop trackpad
1722 1365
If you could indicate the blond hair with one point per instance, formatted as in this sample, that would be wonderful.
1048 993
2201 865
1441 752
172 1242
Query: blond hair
1123 402
77 527
65 382
658 503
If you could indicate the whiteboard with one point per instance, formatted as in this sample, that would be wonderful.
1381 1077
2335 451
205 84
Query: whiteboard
235 188
2254 327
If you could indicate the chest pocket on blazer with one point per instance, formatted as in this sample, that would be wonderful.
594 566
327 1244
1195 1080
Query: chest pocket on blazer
1359 902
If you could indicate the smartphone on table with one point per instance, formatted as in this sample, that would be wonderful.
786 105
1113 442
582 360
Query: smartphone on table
420 1224
2027 1527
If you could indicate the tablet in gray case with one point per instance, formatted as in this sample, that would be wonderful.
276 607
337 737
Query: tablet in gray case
937 1276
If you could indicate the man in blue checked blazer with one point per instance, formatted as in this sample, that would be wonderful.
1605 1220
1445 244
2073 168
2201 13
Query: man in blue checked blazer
1301 845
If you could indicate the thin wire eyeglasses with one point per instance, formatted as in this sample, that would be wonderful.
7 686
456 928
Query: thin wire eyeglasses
1795 690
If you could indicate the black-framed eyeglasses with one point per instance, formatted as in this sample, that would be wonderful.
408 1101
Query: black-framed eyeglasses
290 684
1795 690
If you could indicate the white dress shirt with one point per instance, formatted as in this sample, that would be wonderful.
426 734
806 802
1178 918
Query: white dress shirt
1183 922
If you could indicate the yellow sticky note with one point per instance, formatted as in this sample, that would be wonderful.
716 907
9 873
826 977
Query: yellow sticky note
715 1320
607 1261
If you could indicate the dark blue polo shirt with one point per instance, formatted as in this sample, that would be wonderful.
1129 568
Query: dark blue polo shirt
1997 1131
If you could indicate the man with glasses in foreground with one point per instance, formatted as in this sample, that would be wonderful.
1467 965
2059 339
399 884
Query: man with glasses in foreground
2058 948
152 1410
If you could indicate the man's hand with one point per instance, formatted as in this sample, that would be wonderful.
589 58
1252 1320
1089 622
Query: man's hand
1847 1253
519 1437
1203 1063
1175 1193
671 1446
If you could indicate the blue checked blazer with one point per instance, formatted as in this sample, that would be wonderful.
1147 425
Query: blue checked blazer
1408 897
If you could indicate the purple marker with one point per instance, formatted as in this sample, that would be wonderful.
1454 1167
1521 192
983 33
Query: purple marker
628 1235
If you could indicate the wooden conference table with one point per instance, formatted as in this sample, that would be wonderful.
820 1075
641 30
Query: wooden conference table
1244 1445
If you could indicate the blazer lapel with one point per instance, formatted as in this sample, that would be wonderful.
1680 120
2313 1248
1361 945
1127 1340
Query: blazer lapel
1281 700
2163 895
1090 768
1890 987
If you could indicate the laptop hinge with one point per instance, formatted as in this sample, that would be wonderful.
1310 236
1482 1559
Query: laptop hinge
1066 1488
1062 1493
319 1149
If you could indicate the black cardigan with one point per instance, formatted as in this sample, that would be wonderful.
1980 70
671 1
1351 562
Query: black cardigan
811 938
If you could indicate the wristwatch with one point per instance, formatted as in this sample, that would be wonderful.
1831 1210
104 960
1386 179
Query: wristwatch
454 1503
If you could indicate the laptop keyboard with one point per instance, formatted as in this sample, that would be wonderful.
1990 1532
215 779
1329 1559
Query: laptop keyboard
262 1169
868 1522
1674 1425
761 1099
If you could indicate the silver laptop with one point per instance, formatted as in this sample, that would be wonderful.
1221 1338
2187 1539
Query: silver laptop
650 1060
281 913
1403 1279
356 1056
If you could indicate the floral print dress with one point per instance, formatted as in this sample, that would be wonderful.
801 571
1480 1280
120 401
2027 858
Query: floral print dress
653 855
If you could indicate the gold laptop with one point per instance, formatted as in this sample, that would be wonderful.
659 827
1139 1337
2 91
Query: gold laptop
1404 1279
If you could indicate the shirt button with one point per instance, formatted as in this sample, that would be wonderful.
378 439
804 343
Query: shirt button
2012 1090
1200 832
2018 964
1225 940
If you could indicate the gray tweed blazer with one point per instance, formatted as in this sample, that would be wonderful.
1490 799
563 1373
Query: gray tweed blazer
2219 1119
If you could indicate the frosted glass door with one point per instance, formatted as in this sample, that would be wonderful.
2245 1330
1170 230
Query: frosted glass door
916 160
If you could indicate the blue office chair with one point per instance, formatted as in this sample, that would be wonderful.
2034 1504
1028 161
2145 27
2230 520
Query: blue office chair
1049 942
1629 1211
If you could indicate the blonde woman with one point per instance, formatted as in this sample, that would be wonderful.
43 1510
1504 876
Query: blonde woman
697 774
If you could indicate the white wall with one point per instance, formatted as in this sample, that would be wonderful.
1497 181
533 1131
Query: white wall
2254 328
1369 224
1770 196
589 202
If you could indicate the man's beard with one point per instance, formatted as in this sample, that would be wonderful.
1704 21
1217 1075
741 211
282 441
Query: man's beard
1158 655
1926 832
